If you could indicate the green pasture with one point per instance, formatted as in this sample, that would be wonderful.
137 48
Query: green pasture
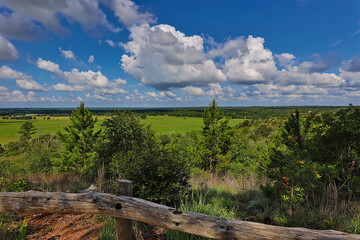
162 124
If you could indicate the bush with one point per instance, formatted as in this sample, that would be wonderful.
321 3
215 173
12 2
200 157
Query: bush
132 151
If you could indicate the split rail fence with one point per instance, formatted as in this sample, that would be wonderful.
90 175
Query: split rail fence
127 208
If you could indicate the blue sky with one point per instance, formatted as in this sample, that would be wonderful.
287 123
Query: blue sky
122 53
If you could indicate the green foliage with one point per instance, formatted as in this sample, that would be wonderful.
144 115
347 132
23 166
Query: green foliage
22 230
290 168
132 151
79 142
26 130
44 150
216 136
337 150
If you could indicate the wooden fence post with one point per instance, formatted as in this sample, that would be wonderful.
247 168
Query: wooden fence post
124 226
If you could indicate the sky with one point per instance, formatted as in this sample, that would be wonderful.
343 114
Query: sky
179 53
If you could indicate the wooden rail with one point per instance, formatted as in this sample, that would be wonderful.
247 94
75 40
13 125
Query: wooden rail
155 214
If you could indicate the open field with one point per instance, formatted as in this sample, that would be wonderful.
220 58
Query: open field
162 124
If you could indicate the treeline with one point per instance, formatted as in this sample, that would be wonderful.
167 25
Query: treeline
231 112
308 163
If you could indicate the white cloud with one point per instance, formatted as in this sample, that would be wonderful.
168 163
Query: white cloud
48 66
3 89
7 51
194 91
29 84
91 59
67 54
151 94
7 72
15 96
82 80
89 78
111 43
99 97
22 80
162 57
215 90
285 59
67 88
169 94
111 91
253 64
16 26
47 12
120 81
129 13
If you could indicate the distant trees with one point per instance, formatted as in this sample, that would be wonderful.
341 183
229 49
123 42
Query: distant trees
79 140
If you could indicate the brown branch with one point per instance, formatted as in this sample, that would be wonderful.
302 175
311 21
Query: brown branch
155 214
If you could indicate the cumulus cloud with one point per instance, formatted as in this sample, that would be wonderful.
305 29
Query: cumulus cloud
16 26
194 91
22 80
8 52
91 59
111 91
251 63
130 14
29 84
120 81
7 72
248 62
15 96
352 65
67 88
162 57
67 54
48 66
27 14
81 79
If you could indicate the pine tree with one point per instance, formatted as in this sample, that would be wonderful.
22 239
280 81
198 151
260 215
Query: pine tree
290 167
216 135
79 141
26 130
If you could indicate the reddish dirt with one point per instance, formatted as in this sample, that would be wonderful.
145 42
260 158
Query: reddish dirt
62 226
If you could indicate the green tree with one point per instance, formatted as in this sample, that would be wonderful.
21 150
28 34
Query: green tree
132 151
337 149
290 168
26 130
216 134
79 140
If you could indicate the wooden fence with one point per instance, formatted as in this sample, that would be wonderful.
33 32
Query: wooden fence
129 208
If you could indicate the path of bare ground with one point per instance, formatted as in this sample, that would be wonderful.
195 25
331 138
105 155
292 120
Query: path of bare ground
45 226
62 226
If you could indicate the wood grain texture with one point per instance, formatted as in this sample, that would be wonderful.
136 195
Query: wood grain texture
155 214
124 226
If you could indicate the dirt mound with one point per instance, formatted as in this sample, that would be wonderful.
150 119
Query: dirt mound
62 226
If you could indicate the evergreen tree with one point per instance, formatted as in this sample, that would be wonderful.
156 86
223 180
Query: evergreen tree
26 130
290 167
79 141
216 136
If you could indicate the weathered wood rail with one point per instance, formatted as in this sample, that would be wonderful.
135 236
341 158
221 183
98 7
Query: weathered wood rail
155 214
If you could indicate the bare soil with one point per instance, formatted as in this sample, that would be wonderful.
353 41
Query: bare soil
62 226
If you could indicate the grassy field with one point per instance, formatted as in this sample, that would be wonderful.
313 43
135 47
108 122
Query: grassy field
162 124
